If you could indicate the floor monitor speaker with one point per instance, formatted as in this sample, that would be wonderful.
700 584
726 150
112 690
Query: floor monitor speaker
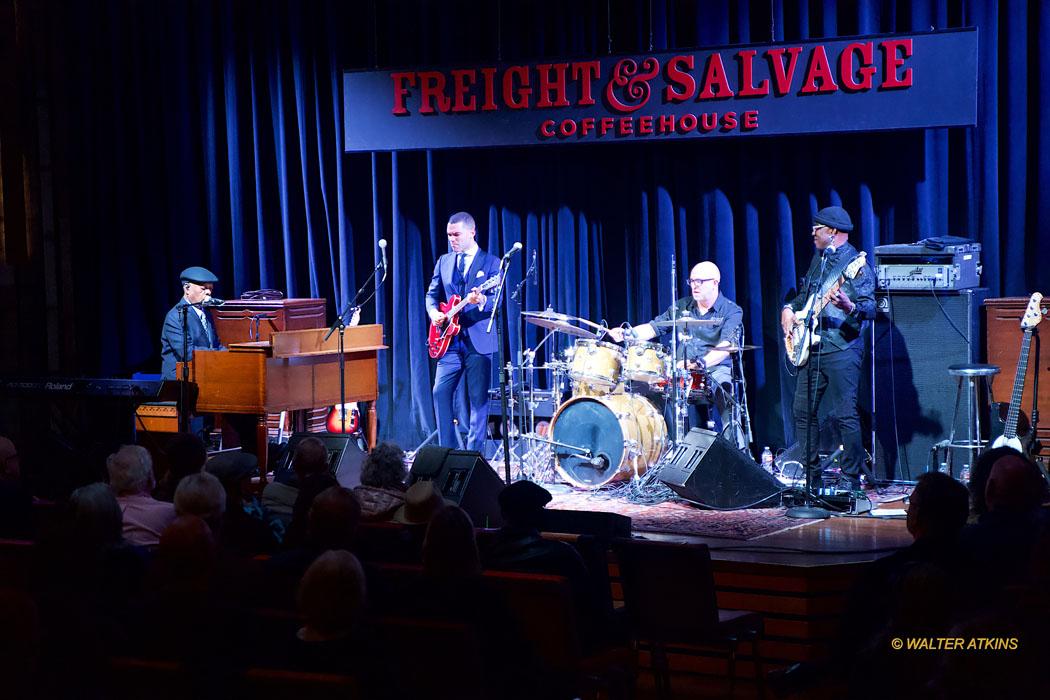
465 478
706 469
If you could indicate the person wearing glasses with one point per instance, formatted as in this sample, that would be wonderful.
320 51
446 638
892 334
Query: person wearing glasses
836 358
700 345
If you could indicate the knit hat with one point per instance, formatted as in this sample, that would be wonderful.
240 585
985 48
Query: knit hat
834 217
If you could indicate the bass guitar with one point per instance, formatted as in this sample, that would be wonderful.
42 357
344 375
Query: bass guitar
441 335
803 334
1009 424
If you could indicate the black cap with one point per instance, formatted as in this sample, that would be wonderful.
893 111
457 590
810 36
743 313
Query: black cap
523 496
834 217
230 467
197 274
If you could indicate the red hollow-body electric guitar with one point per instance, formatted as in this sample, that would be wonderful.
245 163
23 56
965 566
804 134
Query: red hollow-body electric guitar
441 335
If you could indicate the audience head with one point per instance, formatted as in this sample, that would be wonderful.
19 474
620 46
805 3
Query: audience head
203 496
310 458
233 470
422 502
185 557
130 470
522 502
96 514
450 549
333 518
186 455
384 466
331 596
979 476
1016 484
10 469
938 507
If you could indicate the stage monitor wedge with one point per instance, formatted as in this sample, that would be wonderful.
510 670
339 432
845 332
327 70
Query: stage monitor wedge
707 470
463 477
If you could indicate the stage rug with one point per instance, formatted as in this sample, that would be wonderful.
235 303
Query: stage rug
681 517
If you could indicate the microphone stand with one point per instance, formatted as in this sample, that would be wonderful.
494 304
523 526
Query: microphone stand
808 510
183 418
340 324
496 318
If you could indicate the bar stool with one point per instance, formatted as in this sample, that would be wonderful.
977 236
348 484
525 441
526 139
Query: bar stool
973 443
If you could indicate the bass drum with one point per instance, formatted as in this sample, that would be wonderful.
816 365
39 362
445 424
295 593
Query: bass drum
625 434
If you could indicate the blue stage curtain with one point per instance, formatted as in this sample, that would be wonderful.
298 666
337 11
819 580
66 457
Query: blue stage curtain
211 133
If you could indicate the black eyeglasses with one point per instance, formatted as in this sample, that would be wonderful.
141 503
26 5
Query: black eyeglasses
692 280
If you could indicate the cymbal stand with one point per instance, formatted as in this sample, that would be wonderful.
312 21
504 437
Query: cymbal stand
680 406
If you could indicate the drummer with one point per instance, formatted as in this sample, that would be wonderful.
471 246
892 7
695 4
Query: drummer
700 345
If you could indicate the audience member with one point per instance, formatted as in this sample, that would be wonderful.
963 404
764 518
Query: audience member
131 478
331 524
202 495
17 518
979 478
290 495
246 529
404 545
382 489
186 455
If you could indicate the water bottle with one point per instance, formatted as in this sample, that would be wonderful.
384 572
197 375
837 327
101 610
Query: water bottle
767 460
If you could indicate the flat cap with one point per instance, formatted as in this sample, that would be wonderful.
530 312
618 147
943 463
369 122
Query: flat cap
834 217
198 274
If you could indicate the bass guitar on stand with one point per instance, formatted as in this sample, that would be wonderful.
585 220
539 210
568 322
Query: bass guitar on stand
802 335
441 335
1009 423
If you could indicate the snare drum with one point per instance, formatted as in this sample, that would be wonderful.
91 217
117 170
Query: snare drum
695 383
624 433
597 363
645 362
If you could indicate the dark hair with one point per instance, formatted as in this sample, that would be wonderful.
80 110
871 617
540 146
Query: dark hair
982 469
462 217
333 517
384 466
311 457
940 505
186 455
450 548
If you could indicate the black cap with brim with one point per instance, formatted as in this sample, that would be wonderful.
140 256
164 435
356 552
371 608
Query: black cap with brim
197 274
834 217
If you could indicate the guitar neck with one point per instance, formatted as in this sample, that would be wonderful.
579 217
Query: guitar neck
1010 429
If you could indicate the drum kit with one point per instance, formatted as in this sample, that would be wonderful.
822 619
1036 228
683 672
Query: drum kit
607 424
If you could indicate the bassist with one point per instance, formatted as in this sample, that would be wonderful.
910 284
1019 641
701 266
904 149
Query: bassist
836 357
469 356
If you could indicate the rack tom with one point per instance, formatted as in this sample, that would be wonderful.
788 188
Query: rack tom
596 363
646 362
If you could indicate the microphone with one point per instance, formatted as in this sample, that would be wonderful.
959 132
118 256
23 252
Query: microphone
830 250
599 461
513 249
382 249
212 301
535 275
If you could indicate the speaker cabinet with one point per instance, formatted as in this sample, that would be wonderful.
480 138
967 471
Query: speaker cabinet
465 478
344 457
708 470
918 335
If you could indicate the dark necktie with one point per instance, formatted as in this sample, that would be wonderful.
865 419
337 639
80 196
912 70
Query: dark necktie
461 267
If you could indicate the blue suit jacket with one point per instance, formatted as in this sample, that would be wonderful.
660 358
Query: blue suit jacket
472 321
171 339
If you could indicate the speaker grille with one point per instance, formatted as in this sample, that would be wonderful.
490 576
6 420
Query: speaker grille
917 336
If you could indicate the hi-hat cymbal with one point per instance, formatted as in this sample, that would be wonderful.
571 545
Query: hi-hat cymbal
558 322
740 348
687 321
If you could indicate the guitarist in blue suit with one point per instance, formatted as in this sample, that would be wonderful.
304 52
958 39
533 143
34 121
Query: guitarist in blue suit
837 357
459 273
197 284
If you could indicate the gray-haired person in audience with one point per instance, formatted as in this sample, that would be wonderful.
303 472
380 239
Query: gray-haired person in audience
202 495
131 478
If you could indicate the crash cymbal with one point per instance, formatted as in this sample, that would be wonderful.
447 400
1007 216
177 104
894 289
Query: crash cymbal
552 315
559 325
687 321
